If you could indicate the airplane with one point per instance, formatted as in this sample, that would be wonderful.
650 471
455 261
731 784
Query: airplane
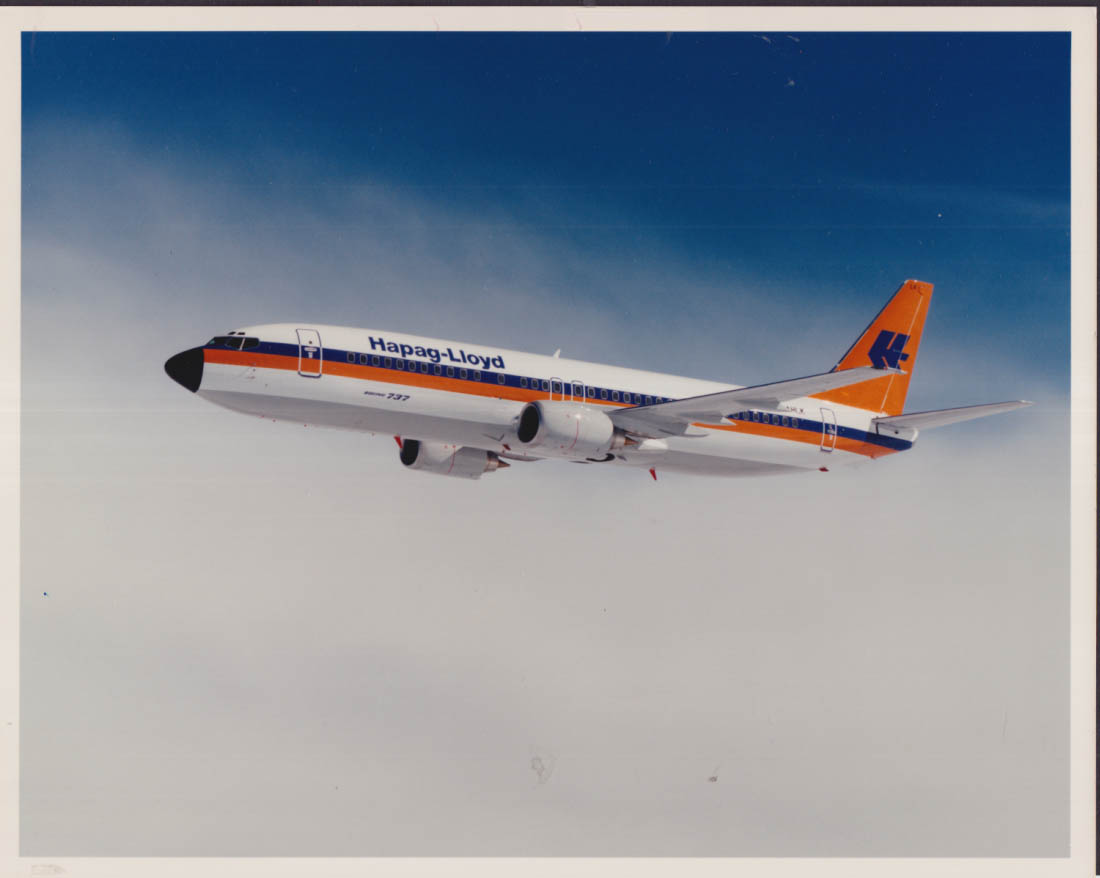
462 410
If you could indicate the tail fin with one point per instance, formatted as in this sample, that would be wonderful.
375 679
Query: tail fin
892 339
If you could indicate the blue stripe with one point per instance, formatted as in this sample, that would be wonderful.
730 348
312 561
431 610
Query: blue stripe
336 355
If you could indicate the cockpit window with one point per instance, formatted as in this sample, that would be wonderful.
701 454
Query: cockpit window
234 342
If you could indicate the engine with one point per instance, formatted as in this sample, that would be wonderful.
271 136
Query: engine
448 460
568 429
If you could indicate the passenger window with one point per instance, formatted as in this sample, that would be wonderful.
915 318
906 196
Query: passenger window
363 359
603 393
615 395
522 382
437 369
462 374
500 377
649 400
424 368
388 361
450 371
351 357
756 416
590 392
374 359
399 363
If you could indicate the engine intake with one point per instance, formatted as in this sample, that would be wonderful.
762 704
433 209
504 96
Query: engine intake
456 461
568 429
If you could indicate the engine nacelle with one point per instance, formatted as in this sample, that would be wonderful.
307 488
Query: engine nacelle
448 460
568 429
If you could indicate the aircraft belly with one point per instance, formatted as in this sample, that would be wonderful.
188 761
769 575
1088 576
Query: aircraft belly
730 454
478 421
356 404
703 464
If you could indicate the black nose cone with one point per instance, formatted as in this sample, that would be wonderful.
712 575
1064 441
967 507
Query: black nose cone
186 368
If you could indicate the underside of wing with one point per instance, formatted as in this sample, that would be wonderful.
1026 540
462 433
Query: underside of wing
673 418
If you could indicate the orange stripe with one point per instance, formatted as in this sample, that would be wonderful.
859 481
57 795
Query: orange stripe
516 394
390 376
790 434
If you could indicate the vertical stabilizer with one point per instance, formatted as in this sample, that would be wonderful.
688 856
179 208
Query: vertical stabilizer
892 340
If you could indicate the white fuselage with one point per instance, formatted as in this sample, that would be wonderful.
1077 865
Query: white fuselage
468 395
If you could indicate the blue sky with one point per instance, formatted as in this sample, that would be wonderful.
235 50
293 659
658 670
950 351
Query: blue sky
820 164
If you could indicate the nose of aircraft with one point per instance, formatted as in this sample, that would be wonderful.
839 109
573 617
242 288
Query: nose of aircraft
186 368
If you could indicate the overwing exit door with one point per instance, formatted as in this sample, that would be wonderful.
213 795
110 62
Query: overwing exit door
310 353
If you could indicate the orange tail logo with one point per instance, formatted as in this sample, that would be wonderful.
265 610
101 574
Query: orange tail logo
892 340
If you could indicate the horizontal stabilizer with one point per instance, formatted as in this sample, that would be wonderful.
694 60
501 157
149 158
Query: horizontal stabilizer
943 417
671 418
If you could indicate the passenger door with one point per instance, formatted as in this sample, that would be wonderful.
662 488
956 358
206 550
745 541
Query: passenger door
828 430
310 353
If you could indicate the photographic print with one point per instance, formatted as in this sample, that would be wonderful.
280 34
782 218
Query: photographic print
254 627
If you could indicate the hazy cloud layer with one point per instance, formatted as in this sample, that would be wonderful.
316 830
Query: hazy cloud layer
264 639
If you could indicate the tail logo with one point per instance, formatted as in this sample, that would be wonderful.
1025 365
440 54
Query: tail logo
887 350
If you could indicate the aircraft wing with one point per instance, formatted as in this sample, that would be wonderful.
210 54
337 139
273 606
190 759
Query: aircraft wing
943 417
673 418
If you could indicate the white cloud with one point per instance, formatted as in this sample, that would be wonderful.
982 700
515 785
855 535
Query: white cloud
262 639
